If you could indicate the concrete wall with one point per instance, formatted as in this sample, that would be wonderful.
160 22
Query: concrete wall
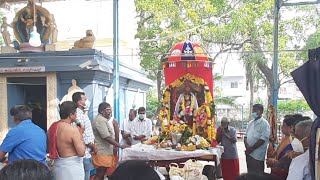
98 88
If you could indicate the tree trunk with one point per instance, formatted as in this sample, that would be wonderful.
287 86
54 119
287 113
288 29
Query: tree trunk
270 93
159 90
159 84
267 72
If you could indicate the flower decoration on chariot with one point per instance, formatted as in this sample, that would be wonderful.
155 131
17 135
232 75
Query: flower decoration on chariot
202 115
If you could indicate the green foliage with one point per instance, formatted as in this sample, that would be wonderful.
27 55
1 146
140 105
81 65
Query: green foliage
186 134
219 99
166 18
1 16
246 26
152 104
292 107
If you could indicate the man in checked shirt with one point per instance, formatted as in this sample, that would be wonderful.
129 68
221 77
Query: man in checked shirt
80 98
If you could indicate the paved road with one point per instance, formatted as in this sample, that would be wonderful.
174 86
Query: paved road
242 158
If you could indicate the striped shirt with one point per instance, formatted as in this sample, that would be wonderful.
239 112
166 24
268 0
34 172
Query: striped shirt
88 136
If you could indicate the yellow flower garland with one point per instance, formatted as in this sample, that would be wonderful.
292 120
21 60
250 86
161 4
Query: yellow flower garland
183 106
207 109
190 77
166 98
162 113
208 97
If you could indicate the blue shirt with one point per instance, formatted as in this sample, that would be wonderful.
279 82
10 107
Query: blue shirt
25 141
258 129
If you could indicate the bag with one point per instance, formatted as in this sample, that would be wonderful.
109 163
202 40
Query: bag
176 171
193 169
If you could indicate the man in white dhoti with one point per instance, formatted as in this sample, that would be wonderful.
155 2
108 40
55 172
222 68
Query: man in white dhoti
66 145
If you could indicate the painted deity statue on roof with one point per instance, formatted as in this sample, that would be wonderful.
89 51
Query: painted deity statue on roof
28 17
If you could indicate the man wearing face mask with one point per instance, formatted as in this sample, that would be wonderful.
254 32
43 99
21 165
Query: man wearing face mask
299 167
229 159
256 140
80 99
141 128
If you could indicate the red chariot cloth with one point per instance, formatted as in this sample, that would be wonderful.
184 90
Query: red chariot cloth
230 169
52 135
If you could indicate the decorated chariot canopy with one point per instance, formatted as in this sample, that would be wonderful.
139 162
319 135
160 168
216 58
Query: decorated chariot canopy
187 105
188 57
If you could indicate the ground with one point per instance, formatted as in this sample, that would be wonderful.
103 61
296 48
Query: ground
242 158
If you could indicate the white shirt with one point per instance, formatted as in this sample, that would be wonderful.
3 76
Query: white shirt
299 168
258 129
126 126
88 136
139 127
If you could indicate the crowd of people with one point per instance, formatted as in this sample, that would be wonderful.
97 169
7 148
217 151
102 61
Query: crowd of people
74 143
290 160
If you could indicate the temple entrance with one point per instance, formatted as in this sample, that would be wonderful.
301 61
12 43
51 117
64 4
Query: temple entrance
31 91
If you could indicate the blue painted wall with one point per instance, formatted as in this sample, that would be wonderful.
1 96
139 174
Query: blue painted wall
96 81
97 86
15 96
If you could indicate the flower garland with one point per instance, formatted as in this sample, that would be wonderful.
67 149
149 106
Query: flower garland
164 112
183 106
166 98
202 121
208 97
202 117
190 77
214 131
210 130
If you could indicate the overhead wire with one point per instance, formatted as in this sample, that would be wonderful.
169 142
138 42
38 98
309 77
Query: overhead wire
216 52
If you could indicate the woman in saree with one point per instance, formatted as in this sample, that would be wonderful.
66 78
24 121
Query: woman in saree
279 156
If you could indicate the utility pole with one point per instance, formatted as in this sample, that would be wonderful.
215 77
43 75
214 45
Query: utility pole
116 84
277 5
275 53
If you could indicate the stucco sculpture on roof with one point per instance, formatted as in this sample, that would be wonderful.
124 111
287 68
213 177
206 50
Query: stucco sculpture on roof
86 42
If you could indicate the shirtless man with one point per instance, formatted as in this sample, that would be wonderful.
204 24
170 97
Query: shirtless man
66 145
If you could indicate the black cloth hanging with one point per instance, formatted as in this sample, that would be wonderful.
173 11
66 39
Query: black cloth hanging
307 78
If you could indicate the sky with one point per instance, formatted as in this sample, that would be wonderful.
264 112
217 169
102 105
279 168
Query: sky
74 17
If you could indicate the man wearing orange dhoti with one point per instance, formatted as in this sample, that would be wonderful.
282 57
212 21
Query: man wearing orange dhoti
105 141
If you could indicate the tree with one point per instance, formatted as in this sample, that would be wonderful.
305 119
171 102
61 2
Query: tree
292 107
166 18
1 16
152 104
245 26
